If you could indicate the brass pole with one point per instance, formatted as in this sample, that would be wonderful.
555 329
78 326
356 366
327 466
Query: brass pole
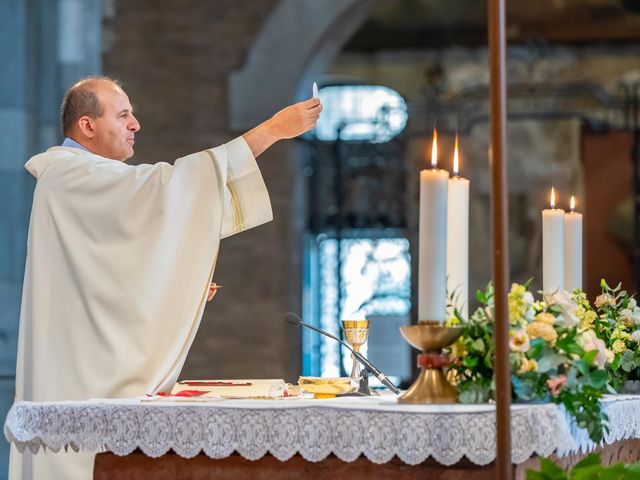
497 54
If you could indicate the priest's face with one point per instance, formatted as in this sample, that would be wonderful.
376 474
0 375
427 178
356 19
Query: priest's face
115 130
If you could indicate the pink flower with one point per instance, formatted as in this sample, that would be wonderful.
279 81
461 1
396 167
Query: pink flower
555 384
604 299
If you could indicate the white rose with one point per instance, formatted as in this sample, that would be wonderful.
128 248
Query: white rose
635 336
563 299
586 340
609 356
589 341
632 303
528 298
626 316
530 314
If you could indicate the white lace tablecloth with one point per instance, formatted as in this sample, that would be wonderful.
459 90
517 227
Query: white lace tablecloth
376 427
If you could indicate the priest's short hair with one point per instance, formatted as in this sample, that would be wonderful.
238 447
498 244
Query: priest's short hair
81 100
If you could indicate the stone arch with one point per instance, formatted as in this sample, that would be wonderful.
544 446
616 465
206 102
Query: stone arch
319 30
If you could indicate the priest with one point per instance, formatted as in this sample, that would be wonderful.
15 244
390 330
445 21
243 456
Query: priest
120 258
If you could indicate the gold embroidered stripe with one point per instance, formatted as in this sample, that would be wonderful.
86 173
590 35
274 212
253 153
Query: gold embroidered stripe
238 212
236 205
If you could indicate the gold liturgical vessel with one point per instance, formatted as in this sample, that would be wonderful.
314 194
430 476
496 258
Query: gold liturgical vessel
355 333
431 386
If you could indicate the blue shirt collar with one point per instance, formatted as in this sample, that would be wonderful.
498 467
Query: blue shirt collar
69 142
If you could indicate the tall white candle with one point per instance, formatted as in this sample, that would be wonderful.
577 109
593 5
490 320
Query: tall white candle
572 248
458 237
432 291
552 247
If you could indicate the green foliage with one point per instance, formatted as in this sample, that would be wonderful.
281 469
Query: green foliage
590 468
548 471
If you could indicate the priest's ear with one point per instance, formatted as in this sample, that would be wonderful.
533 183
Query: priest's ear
87 126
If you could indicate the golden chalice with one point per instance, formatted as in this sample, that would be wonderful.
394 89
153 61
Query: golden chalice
431 386
355 333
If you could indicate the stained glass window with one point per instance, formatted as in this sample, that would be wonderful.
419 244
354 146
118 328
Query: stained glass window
375 285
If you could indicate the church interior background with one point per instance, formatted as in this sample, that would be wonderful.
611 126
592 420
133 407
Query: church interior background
200 72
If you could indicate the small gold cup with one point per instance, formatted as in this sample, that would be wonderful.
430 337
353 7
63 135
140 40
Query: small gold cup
356 333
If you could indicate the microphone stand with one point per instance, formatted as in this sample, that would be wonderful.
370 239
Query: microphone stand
294 319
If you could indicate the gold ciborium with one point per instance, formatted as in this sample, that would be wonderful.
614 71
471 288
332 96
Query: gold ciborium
431 386
355 333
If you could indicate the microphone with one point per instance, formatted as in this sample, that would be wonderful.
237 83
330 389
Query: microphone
294 319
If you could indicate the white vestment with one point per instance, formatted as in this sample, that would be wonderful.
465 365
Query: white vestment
119 263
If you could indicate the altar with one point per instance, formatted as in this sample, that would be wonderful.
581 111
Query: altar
371 435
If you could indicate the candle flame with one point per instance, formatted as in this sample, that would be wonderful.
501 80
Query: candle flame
573 203
455 158
434 150
553 198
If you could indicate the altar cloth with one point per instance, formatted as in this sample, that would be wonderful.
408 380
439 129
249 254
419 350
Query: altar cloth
376 427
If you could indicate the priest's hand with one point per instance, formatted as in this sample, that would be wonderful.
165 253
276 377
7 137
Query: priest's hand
289 122
213 289
296 119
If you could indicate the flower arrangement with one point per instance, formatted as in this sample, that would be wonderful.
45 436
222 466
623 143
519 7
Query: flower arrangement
562 349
